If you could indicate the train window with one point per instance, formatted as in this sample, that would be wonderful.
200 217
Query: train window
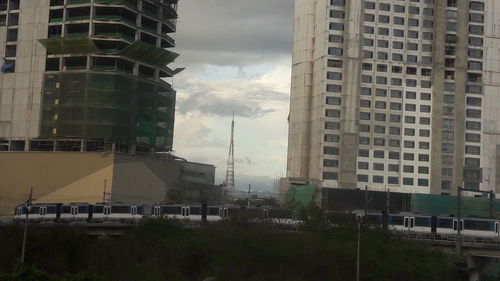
195 210
98 209
120 209
156 210
478 225
74 210
396 220
43 211
133 210
445 223
172 210
66 210
419 221
140 210
406 222
51 210
213 211
83 209
107 210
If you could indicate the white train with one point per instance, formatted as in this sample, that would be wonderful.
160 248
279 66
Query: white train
80 212
127 213
123 213
444 225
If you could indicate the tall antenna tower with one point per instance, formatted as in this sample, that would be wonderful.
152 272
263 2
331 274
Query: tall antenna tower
230 166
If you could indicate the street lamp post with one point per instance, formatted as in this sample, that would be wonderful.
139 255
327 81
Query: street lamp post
359 219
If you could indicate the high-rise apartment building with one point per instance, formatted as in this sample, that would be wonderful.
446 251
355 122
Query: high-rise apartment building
396 94
85 75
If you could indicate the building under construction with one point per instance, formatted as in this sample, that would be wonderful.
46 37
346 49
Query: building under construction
87 75
86 113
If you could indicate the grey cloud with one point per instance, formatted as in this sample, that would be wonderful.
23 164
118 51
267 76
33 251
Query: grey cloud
209 98
210 104
234 32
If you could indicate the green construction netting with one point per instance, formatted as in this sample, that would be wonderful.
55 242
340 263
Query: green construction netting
148 53
447 205
108 105
303 195
69 45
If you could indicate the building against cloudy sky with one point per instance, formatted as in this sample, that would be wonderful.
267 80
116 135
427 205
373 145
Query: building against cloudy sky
398 94
79 71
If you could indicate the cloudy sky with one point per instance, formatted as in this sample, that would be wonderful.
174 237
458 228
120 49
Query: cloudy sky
237 55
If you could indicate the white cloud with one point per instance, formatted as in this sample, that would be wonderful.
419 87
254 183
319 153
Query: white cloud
238 58
202 129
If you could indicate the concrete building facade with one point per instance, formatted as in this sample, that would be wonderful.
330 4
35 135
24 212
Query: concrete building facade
396 94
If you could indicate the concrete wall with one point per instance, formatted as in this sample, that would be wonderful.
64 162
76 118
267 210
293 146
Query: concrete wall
20 92
64 177
55 177
145 180
301 90
198 172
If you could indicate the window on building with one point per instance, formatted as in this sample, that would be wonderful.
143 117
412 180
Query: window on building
473 137
333 100
407 181
393 168
330 163
331 138
378 179
335 63
363 165
408 169
330 175
362 178
378 166
335 51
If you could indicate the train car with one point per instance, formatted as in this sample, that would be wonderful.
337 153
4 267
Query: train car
20 213
76 212
121 213
446 225
410 222
216 213
479 227
39 213
250 214
192 213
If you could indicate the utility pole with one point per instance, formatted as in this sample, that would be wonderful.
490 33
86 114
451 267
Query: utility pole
458 244
366 198
359 218
492 202
222 195
249 194
104 192
388 210
28 209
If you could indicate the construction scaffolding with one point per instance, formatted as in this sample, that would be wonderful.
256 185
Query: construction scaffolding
109 106
105 83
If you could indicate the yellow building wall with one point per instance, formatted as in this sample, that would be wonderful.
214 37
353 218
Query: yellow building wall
59 177
65 177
